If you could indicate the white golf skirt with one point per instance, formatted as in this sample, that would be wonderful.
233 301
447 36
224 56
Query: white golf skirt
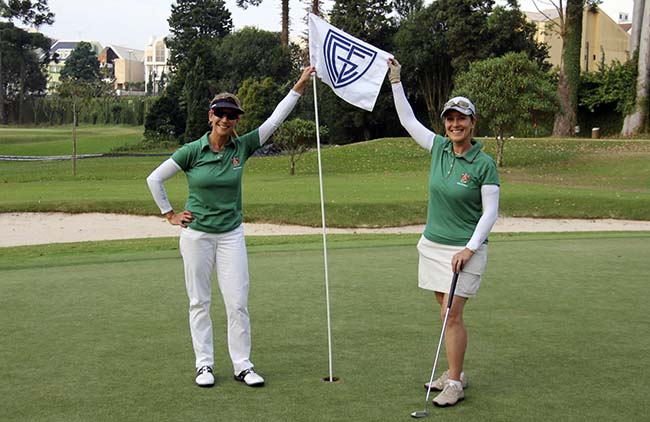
434 269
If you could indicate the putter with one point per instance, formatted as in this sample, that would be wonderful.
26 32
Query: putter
425 412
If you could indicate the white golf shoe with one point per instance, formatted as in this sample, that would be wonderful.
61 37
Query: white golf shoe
250 378
204 377
440 383
449 396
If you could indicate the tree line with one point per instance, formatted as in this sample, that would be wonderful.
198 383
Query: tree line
447 47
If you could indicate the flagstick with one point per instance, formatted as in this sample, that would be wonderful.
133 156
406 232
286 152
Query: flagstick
322 208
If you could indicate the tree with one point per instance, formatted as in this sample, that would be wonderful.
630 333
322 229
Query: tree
165 121
197 98
612 84
29 12
509 30
315 7
368 20
284 4
35 13
196 26
80 92
195 21
82 64
252 52
296 137
568 26
638 120
80 82
510 93
569 76
438 42
406 8
22 70
259 98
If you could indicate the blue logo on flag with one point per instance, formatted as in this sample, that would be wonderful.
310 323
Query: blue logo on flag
346 59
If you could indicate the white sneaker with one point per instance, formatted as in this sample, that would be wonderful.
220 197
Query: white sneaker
250 377
440 383
449 396
204 377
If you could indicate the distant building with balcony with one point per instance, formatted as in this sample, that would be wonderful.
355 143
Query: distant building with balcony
62 49
124 67
156 69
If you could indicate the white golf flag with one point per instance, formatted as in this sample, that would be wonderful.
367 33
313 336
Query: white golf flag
353 68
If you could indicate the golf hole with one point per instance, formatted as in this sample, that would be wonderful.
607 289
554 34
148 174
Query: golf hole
333 380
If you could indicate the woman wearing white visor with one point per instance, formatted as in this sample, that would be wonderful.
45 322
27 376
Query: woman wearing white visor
212 235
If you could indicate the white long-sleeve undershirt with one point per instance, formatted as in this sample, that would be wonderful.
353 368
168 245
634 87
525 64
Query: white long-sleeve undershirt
169 168
279 115
490 201
155 182
420 133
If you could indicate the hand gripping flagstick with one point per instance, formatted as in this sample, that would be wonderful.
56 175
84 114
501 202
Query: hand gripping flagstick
452 290
331 377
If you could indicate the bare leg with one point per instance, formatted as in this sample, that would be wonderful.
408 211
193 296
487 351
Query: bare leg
455 334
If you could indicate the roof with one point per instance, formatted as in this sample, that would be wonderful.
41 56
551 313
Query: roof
127 53
70 45
543 16
625 26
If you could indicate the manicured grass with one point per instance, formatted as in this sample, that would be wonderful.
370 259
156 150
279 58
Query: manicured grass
376 183
98 331
58 140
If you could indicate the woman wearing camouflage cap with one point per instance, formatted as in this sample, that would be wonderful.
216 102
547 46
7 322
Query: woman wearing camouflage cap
463 207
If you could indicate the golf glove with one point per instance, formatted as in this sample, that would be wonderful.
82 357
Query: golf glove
394 71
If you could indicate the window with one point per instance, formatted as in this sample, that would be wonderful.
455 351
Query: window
160 51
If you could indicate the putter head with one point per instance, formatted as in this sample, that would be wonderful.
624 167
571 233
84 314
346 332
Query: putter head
420 414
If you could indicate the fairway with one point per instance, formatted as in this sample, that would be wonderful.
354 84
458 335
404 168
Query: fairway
98 331
380 183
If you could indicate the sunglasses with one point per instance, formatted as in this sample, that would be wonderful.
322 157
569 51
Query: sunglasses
220 113
459 103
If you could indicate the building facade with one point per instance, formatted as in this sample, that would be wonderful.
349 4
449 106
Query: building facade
62 49
602 38
124 67
156 70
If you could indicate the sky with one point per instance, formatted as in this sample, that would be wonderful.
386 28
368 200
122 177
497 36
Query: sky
132 23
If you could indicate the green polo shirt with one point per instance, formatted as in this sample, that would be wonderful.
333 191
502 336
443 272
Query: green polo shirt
214 181
455 191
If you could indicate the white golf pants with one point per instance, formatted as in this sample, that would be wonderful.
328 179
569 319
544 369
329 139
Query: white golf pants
201 252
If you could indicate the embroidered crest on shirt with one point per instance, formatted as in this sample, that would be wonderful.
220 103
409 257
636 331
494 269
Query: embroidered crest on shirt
464 179
236 164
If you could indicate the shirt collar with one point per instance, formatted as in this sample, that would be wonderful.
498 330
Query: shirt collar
470 154
205 142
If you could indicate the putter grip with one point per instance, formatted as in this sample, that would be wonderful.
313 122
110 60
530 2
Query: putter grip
452 290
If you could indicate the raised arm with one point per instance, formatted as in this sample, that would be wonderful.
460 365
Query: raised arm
284 108
420 133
